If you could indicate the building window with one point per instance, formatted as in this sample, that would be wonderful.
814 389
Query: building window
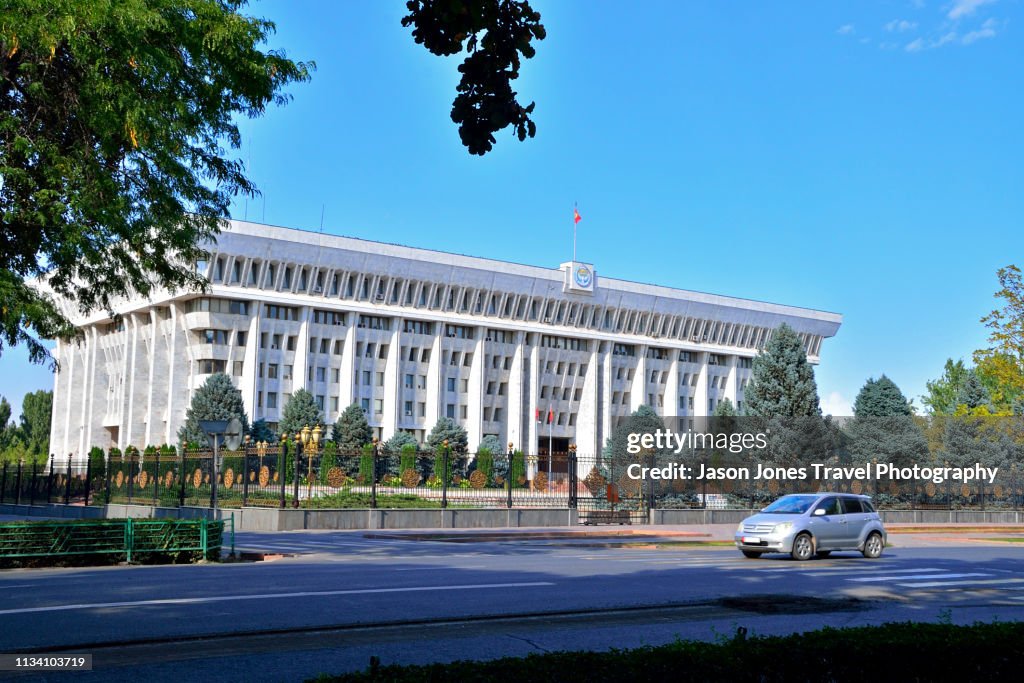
334 404
213 337
320 401
458 331
237 368
380 379
291 342
210 366
419 327
207 305
366 377
421 382
408 381
451 384
335 375
378 406
321 375
276 312
423 409
408 408
374 322
329 317
272 371
271 399
450 410
365 405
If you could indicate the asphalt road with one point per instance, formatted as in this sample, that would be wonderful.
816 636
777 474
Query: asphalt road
340 598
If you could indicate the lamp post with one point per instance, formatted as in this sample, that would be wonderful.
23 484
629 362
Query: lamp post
295 478
573 473
377 445
311 443
282 466
444 473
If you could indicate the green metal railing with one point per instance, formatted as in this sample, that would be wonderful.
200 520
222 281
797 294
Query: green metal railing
134 539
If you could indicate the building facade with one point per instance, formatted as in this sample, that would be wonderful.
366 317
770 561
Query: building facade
411 335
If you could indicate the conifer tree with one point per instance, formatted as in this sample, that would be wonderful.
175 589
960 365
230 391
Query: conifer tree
217 399
782 383
447 428
351 432
300 411
883 427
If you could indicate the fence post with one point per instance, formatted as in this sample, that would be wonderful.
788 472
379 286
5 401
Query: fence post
444 473
3 484
373 475
508 477
156 477
17 483
573 502
181 475
245 476
88 478
282 468
129 539
67 484
106 472
131 482
32 484
49 482
203 539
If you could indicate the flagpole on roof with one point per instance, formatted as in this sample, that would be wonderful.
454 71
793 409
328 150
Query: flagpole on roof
575 213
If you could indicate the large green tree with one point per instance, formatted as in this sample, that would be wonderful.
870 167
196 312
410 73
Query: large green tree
5 418
1001 364
36 410
883 426
115 119
351 431
216 399
942 392
300 411
782 382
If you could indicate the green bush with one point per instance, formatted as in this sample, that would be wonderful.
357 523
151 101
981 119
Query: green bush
328 460
905 652
366 464
518 467
485 462
407 459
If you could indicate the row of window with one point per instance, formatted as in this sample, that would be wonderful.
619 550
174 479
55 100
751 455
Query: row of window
509 305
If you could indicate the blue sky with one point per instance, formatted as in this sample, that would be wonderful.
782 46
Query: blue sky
863 158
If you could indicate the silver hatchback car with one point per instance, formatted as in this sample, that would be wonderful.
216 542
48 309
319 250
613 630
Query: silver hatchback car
805 525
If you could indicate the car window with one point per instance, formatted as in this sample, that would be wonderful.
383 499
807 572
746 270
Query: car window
791 505
868 507
852 506
830 506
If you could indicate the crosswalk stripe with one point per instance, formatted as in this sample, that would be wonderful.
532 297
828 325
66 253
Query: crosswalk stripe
939 584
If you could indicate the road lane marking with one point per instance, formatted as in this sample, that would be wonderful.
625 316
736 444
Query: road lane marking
267 596
939 584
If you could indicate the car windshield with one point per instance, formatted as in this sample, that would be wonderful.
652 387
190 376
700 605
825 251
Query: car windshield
791 505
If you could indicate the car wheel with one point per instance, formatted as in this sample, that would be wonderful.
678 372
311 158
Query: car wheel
823 553
873 546
752 554
803 547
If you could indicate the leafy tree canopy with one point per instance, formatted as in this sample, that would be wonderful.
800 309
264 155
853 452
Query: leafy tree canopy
300 411
725 408
782 383
114 117
351 432
942 392
495 33
492 444
36 409
1001 365
217 399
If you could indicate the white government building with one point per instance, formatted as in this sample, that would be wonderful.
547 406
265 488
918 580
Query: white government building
411 335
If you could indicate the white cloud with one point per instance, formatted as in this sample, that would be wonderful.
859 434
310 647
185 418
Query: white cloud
948 38
845 29
963 8
987 30
915 45
835 404
900 26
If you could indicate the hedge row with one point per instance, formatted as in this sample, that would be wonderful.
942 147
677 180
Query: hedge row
891 652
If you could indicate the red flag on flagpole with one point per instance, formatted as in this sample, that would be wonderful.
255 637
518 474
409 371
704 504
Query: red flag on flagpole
538 414
551 415
576 217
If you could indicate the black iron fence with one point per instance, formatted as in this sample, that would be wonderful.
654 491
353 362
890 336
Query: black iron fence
295 476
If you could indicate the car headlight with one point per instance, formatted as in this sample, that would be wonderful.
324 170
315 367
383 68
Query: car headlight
782 528
739 528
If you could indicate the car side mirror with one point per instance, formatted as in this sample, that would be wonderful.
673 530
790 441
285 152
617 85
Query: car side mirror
820 512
